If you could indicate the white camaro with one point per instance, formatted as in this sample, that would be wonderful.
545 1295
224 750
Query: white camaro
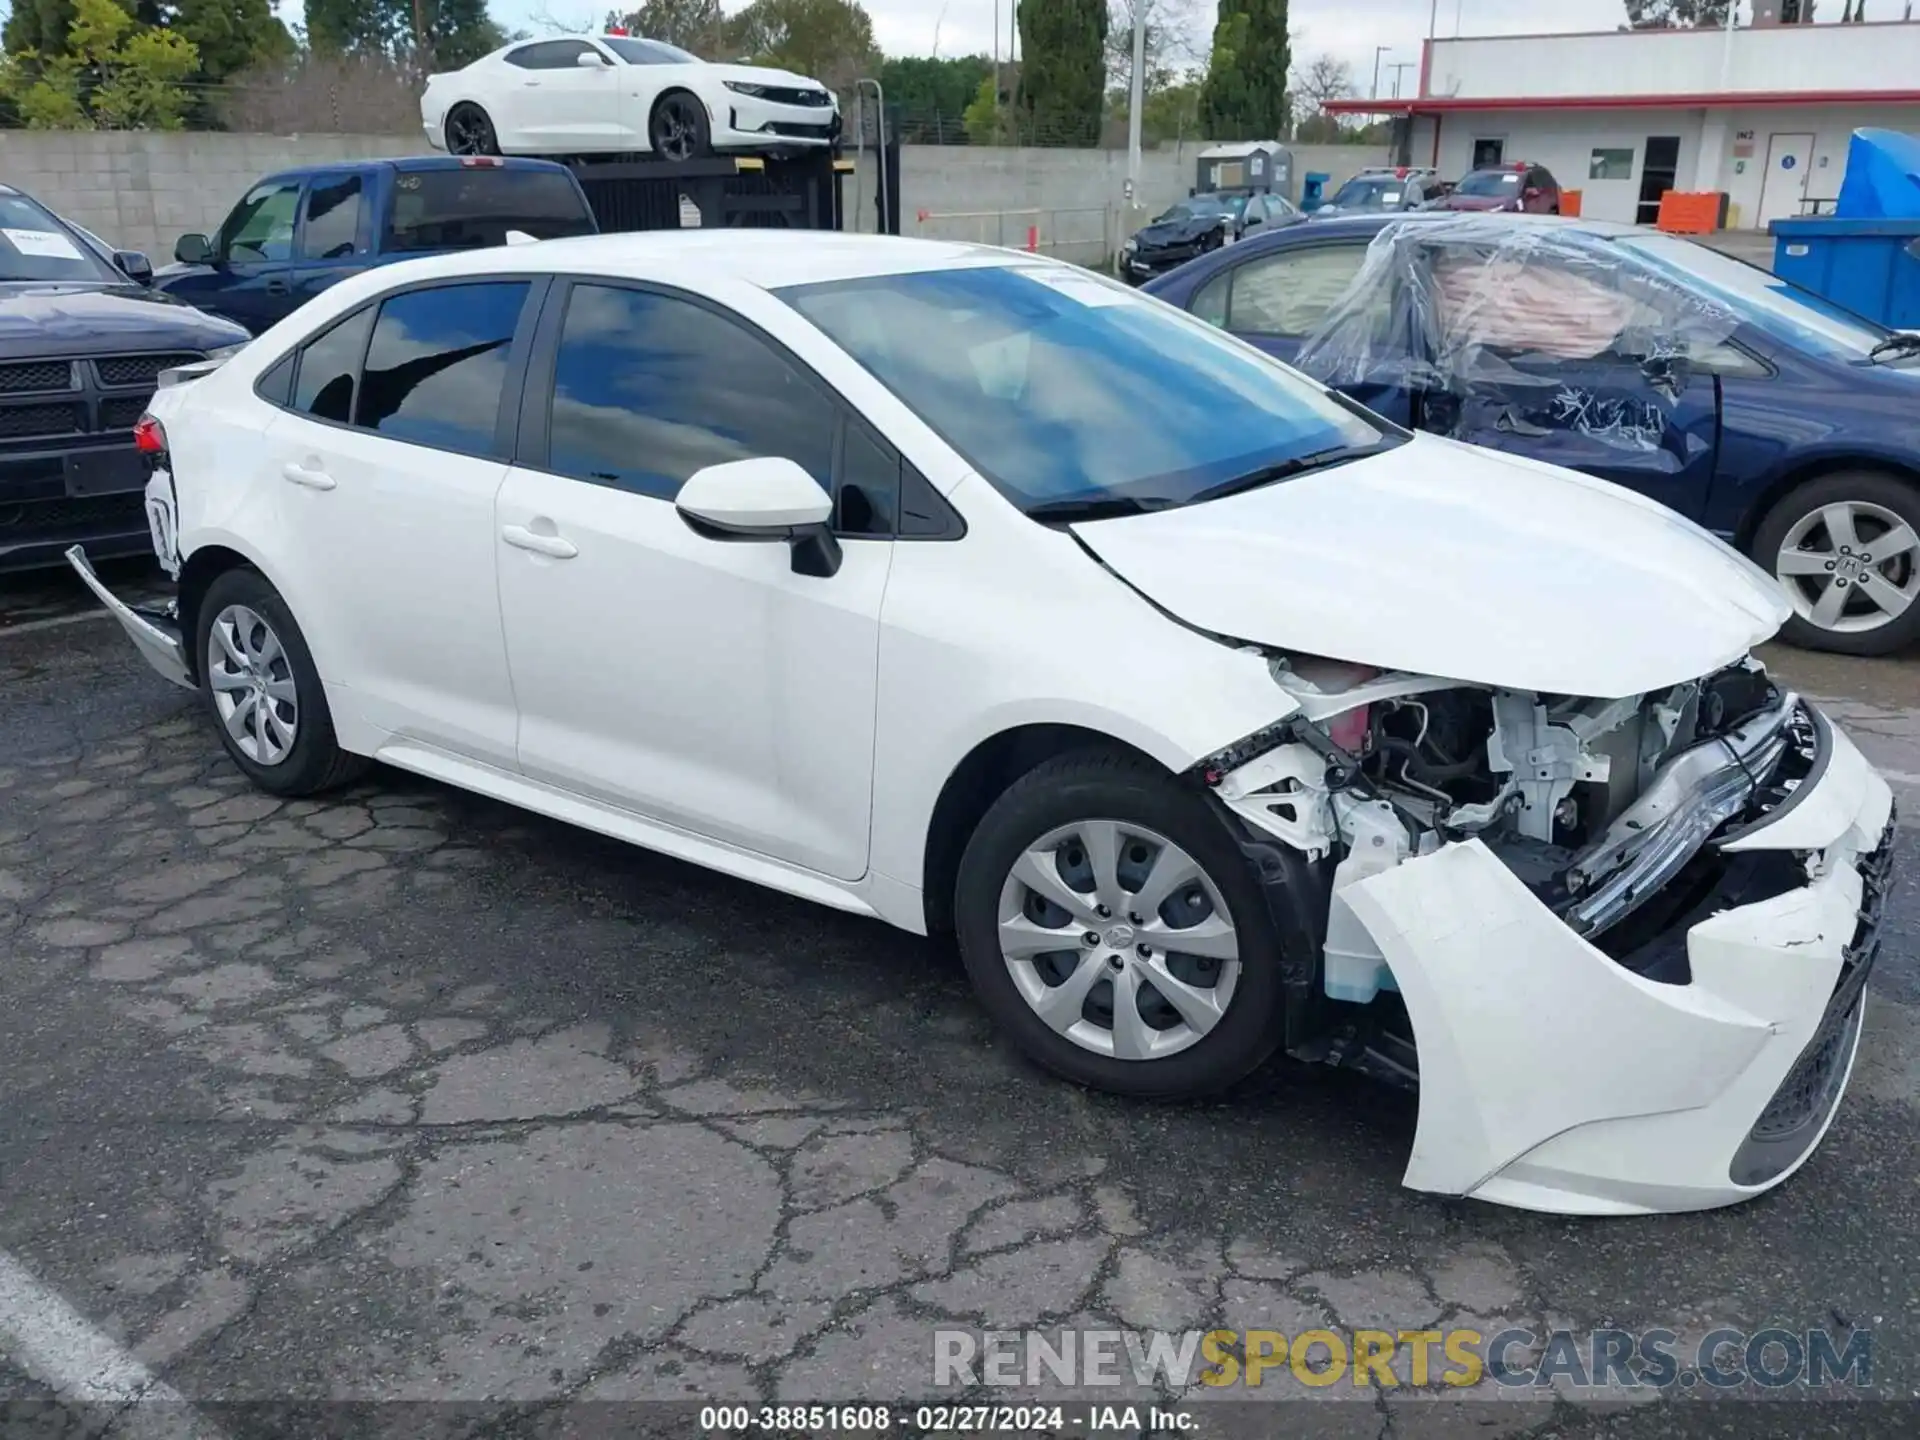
977 593
601 94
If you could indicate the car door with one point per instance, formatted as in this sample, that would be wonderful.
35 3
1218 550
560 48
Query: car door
1276 300
1575 364
384 467
558 102
252 255
700 684
334 239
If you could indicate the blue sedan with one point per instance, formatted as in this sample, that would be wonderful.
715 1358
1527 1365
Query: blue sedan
1788 426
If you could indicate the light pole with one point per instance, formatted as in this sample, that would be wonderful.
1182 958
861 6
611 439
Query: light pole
1378 51
1136 99
1396 68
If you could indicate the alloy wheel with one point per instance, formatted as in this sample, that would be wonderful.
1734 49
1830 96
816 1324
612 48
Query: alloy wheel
469 133
1850 567
676 129
1118 939
253 686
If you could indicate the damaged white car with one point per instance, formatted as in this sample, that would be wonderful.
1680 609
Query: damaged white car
1213 713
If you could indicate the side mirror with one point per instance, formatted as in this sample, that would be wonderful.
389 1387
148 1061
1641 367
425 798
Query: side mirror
764 499
591 60
1532 192
135 266
193 250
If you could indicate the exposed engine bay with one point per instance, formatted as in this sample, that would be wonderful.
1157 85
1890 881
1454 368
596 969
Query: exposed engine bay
1600 807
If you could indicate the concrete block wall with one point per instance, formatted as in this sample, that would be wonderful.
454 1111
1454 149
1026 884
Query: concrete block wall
142 190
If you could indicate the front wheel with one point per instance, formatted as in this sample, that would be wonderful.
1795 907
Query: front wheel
1112 926
678 128
1846 549
259 683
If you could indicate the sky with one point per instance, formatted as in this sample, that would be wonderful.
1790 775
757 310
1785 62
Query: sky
1348 29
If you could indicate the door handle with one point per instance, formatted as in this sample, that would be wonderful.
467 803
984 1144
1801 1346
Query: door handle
522 538
278 287
312 479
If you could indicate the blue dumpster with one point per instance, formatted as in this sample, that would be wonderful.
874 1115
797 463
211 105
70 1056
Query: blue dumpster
1313 188
1866 256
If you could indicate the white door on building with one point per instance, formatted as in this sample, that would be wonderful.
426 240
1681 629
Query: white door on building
1789 159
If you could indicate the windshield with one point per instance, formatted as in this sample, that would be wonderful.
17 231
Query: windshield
1061 387
648 52
35 246
1370 194
1490 182
1784 311
1204 207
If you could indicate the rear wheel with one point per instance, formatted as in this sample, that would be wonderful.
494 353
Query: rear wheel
470 132
1111 925
678 128
259 683
1846 548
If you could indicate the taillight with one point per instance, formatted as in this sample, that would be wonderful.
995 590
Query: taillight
148 437
481 162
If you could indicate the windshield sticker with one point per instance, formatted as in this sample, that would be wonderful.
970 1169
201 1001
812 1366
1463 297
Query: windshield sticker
48 244
1084 288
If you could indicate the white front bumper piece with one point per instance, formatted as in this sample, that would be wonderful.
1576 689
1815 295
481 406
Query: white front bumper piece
1555 1077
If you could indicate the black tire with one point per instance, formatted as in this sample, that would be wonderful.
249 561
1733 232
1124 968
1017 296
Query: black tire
1882 492
315 761
1098 784
469 131
678 130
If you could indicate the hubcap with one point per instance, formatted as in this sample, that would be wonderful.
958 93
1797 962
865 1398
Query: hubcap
253 689
1118 939
1850 567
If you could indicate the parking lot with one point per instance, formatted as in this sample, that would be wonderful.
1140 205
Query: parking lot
403 1096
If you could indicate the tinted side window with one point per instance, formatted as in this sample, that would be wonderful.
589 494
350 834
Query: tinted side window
261 225
333 218
648 389
546 55
868 498
437 363
330 370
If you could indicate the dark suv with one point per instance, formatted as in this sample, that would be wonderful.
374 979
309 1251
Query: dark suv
83 339
1521 185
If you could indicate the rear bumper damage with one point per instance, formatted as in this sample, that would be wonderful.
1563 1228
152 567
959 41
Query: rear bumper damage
154 633
1555 1076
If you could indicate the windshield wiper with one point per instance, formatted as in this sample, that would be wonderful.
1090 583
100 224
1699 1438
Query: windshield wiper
1095 507
1899 343
1281 470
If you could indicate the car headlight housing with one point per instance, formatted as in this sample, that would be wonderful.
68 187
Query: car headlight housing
1128 247
227 352
744 87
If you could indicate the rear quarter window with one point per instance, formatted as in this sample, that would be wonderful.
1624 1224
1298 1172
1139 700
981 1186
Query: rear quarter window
470 208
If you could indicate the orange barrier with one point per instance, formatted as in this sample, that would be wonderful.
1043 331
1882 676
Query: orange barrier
1692 212
1569 202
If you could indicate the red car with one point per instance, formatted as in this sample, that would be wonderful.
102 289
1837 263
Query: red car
1521 185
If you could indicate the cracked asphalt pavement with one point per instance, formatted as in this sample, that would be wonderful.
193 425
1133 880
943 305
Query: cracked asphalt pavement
403 1096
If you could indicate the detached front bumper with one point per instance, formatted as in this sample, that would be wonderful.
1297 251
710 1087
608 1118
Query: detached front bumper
1555 1077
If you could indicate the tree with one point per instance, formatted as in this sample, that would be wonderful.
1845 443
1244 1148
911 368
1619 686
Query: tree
933 94
830 40
1063 71
696 25
112 73
1168 43
231 35
432 34
1324 79
1676 14
1244 96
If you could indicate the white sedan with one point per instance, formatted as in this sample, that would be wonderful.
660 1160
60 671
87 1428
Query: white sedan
976 593
600 94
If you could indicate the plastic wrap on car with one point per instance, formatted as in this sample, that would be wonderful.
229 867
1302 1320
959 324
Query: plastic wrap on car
1458 308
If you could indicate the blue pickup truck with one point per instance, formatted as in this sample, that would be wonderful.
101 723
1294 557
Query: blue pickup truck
299 231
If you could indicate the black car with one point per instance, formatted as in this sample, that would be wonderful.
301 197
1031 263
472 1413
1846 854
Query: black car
1198 224
82 343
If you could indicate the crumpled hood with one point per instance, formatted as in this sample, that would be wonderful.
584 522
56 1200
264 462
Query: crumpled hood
1444 559
1176 232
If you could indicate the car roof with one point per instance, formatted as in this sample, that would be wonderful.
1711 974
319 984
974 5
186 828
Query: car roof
408 164
765 258
1372 224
